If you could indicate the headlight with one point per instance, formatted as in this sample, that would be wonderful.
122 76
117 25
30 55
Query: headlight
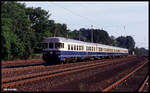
44 52
51 52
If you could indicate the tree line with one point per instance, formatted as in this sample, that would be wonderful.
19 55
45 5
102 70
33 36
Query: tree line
24 28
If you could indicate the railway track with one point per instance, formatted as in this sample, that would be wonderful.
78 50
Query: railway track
24 63
98 81
8 82
21 63
9 72
141 88
24 81
127 85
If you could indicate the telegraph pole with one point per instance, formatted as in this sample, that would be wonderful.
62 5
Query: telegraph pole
92 33
79 35
124 29
55 30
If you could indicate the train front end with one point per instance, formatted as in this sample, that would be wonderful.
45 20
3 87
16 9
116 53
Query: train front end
52 50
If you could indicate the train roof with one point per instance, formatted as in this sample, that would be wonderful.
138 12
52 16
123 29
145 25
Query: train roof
57 39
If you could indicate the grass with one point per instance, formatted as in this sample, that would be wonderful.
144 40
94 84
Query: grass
36 56
82 87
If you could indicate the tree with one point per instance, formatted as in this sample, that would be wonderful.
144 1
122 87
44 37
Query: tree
141 51
130 43
126 42
11 48
99 36
16 31
41 25
113 41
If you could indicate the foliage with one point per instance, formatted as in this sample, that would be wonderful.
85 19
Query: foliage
99 36
141 51
126 42
24 28
11 48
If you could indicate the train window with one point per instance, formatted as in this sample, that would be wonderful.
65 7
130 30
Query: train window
74 47
108 50
89 48
45 45
80 47
77 47
68 46
59 45
71 47
51 45
100 49
62 45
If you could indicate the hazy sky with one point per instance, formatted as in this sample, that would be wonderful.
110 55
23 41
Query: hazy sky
117 18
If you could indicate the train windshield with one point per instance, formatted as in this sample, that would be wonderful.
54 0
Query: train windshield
51 45
59 45
45 45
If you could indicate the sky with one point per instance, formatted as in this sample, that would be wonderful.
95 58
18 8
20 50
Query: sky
117 18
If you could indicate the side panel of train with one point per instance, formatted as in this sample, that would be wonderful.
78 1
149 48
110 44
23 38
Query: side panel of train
87 55
71 51
71 55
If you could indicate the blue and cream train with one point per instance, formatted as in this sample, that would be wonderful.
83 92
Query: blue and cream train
60 49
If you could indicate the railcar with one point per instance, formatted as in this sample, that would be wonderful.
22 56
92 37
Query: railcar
60 49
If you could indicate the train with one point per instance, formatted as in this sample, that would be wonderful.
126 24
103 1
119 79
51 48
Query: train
60 49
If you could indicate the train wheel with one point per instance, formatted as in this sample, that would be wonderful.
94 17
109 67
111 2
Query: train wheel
64 61
99 58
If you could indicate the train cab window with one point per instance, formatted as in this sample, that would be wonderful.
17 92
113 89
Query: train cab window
59 45
51 45
45 45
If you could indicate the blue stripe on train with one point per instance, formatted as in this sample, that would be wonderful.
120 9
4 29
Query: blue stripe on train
82 55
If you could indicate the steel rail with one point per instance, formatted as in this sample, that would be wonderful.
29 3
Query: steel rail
39 67
143 85
124 78
39 76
